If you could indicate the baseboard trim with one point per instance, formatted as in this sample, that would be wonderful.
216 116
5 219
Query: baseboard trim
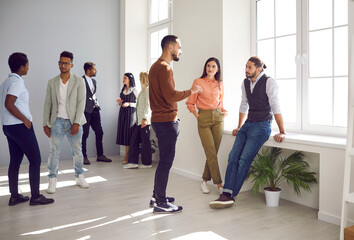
326 217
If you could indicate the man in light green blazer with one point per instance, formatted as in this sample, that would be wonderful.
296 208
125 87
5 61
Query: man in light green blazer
64 116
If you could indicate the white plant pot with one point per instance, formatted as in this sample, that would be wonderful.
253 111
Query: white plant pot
272 198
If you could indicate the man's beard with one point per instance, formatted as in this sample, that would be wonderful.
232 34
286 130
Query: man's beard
175 58
251 75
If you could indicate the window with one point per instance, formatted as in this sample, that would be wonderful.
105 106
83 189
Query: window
159 26
306 50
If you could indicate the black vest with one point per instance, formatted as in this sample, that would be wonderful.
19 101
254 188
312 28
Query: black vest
259 108
90 102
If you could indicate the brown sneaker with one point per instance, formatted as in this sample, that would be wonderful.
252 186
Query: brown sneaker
103 158
222 202
86 161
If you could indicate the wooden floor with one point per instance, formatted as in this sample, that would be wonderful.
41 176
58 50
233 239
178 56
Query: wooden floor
116 207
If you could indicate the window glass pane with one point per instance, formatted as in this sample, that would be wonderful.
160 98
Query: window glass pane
340 12
285 15
154 45
320 14
154 11
320 102
341 51
265 19
320 53
265 51
162 33
163 10
285 57
287 99
340 101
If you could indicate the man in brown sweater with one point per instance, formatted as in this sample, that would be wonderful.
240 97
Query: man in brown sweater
163 104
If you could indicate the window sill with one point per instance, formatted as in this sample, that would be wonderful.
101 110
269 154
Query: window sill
307 139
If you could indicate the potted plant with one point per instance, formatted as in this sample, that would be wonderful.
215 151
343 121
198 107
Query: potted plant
269 170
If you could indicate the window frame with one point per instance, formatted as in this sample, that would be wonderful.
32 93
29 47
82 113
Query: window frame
302 71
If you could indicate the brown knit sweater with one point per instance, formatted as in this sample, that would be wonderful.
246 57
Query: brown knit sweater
162 93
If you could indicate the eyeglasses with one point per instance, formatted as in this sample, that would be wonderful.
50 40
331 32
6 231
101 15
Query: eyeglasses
65 64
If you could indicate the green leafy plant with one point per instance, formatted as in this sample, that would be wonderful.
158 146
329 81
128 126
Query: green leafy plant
269 170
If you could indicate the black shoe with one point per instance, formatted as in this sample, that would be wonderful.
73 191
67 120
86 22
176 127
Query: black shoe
103 158
19 199
222 202
167 208
41 200
153 201
86 161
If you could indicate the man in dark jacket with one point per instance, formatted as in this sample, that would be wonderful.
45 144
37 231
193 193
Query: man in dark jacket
92 114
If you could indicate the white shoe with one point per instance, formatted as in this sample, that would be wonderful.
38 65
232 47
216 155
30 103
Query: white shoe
220 190
145 166
130 165
204 187
80 181
52 184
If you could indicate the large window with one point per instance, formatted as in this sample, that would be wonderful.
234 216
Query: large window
305 45
159 26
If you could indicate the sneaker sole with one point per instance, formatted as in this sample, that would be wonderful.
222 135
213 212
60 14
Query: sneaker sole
50 192
166 212
220 205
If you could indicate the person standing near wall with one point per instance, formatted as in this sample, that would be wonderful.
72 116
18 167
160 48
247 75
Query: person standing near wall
17 126
163 103
260 98
63 115
141 133
210 117
92 114
127 117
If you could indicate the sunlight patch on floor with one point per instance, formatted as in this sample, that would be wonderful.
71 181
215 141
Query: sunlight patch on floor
130 216
61 227
209 235
25 188
163 231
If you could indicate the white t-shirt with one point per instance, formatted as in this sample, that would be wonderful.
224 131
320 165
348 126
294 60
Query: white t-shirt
63 91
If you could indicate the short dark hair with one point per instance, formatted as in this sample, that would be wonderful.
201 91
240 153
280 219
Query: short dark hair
258 62
88 66
67 54
168 40
16 60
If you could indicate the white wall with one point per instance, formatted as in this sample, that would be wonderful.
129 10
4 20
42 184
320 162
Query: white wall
43 29
134 19
209 28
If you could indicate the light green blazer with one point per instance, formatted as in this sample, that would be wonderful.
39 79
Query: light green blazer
75 100
143 107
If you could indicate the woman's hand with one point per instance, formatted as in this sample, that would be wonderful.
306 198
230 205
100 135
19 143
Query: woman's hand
119 100
196 115
126 104
225 113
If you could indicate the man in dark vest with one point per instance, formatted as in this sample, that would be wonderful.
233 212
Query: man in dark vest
260 98
92 114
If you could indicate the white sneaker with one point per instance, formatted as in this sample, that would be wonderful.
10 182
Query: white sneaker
52 184
130 165
220 190
80 181
145 166
204 187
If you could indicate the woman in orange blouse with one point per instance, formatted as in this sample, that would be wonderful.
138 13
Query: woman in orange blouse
210 117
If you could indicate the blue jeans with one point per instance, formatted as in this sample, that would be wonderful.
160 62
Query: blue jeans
60 129
166 134
249 140
22 141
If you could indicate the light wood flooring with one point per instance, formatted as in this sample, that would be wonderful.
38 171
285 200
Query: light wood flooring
115 206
